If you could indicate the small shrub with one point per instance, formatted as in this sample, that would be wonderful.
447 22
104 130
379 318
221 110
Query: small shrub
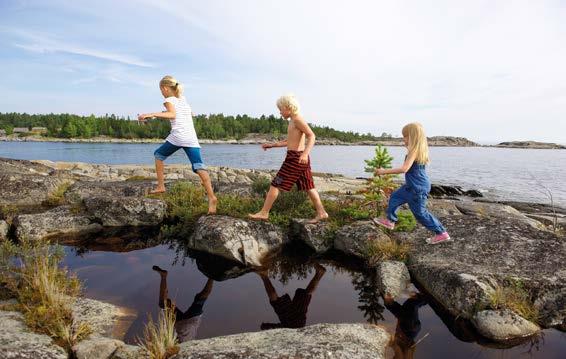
513 296
406 222
379 188
57 197
384 250
160 340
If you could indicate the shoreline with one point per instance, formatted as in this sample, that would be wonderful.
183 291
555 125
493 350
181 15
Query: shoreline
433 142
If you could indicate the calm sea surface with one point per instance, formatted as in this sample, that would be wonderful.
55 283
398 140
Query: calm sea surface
512 174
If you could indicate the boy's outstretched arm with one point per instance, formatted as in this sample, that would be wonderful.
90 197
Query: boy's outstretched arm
282 143
310 138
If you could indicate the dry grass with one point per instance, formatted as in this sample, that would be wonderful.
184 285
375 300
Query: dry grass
514 297
160 339
386 249
45 292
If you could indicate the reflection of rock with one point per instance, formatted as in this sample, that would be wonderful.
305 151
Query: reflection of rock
17 341
353 239
60 220
486 252
244 241
500 325
218 268
126 211
392 277
317 236
316 341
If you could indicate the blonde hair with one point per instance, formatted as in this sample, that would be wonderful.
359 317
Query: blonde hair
418 143
171 83
288 102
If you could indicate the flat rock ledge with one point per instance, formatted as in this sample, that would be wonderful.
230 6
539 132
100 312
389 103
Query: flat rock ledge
316 341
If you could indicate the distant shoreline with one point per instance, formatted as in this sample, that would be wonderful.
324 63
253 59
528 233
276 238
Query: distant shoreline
438 141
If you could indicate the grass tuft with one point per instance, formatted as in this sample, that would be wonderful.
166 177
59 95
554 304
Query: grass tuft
513 296
159 339
57 197
386 249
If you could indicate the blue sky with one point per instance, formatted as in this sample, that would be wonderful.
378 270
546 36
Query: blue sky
486 70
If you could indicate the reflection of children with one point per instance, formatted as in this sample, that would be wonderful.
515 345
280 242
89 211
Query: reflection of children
182 135
296 169
291 313
417 185
408 323
186 323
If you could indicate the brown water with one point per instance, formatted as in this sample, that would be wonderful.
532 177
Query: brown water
344 294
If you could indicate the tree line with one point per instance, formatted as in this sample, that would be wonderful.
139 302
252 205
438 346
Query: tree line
213 126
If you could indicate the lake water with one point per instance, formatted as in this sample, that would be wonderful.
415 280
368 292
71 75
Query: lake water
343 295
507 174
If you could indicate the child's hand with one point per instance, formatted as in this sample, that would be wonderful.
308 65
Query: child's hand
304 159
142 117
380 171
265 146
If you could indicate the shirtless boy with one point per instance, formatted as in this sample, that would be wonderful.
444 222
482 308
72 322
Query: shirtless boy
296 168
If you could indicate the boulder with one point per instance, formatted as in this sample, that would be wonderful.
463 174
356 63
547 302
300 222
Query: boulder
4 228
126 211
60 220
444 208
82 190
503 325
495 210
244 241
96 348
488 252
317 236
316 341
105 319
392 278
17 341
354 239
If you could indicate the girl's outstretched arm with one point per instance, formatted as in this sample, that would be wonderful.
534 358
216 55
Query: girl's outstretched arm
403 169
170 114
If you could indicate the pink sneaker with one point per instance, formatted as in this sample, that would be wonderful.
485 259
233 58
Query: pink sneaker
384 222
439 238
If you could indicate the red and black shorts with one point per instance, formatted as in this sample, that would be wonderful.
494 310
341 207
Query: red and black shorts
292 172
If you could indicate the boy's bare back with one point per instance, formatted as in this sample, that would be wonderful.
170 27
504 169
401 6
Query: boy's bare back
296 133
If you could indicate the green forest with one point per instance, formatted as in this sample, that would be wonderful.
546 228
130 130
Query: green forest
213 126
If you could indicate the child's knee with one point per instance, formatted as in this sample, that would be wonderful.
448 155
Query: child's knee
159 156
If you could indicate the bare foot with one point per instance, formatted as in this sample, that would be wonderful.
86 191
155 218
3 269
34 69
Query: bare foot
258 216
212 205
157 190
320 269
159 270
319 218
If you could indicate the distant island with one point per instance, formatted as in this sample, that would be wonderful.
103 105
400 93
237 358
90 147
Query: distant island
212 129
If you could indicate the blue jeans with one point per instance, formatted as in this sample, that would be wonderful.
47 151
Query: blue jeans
417 203
167 149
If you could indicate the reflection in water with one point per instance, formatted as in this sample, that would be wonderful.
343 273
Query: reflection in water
408 324
187 322
291 313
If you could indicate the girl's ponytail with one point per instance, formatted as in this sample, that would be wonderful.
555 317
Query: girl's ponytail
173 84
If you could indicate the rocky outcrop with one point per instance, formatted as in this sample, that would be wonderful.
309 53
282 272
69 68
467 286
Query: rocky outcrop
17 341
97 348
60 220
25 183
501 325
439 190
245 241
492 210
317 341
354 239
492 252
105 319
317 236
392 278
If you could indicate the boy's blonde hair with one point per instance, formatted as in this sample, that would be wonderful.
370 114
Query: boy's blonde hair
173 84
418 143
288 102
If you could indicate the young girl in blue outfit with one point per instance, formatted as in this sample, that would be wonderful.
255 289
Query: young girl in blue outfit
417 185
183 135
